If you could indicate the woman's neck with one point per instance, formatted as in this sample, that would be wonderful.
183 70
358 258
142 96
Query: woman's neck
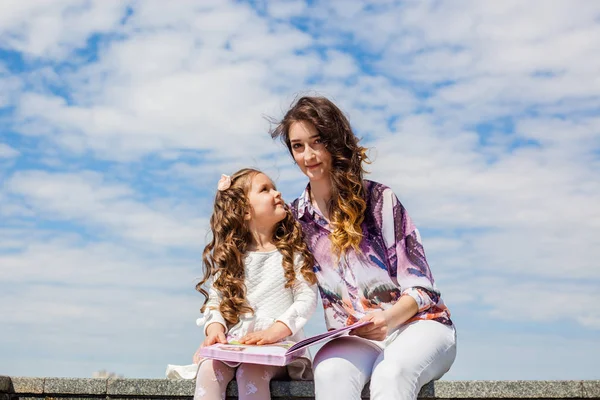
320 194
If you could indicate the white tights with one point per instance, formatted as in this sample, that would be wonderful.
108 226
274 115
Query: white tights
422 351
253 380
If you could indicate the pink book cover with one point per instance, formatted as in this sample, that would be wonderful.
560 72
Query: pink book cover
281 353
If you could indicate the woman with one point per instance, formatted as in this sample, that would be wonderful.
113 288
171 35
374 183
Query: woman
370 265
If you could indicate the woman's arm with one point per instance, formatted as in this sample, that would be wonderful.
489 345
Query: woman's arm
406 254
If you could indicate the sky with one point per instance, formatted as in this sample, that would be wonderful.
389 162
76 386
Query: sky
117 119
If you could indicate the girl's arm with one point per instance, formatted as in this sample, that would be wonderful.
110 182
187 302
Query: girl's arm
305 302
211 311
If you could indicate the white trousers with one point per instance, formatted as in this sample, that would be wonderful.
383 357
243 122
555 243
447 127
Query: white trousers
422 351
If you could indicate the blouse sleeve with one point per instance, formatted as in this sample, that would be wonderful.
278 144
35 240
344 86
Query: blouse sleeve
211 311
305 302
405 252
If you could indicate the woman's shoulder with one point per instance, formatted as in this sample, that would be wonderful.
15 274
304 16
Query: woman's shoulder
377 190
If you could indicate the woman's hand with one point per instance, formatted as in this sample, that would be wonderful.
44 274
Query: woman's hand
384 322
273 334
377 330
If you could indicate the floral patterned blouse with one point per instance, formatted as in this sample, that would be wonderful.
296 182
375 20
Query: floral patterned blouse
391 262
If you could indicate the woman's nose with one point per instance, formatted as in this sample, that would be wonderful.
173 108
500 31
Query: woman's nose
309 153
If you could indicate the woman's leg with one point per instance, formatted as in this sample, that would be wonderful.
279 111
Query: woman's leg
422 352
212 379
342 367
253 380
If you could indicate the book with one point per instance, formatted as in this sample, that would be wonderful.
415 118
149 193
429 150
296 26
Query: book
280 353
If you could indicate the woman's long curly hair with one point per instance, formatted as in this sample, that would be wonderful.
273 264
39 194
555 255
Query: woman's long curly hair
347 204
223 257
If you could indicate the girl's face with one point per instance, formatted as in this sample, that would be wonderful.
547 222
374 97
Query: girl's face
309 151
267 206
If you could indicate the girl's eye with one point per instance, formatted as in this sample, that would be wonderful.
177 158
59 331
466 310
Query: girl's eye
296 146
318 141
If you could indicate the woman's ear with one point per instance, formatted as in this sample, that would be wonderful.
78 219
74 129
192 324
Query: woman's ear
247 215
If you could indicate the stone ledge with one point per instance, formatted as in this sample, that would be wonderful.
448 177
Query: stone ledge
138 389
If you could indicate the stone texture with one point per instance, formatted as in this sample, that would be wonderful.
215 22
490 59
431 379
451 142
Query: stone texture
27 385
507 389
87 386
149 387
162 389
591 389
4 384
295 389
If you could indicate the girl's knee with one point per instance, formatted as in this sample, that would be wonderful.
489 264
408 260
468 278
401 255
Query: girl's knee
253 380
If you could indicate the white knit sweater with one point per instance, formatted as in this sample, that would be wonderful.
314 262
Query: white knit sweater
269 298
271 301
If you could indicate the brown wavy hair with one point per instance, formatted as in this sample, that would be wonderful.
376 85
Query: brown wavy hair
223 257
347 204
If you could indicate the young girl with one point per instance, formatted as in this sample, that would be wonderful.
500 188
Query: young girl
261 285
370 266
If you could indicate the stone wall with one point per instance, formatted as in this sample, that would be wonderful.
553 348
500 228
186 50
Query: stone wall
23 388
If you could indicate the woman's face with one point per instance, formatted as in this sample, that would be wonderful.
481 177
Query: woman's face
309 151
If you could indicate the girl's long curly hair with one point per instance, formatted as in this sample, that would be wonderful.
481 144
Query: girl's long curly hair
223 257
347 204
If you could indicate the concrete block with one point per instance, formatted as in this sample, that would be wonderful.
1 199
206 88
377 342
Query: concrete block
591 389
149 387
83 386
295 389
26 385
507 389
4 384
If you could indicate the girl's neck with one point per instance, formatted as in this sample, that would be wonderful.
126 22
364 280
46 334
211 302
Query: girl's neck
262 239
320 194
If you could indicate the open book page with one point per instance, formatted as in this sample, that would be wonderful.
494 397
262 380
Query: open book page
280 353
326 336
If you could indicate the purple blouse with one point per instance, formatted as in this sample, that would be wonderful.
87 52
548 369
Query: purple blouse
391 262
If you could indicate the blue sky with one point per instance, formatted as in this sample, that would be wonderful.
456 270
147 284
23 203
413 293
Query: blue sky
118 117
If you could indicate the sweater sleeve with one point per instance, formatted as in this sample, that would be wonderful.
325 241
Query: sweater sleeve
211 312
305 302
406 253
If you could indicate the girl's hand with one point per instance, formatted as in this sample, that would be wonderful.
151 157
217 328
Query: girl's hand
377 330
274 334
197 357
215 333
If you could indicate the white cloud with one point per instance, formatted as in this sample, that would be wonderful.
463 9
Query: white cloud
55 28
8 152
110 207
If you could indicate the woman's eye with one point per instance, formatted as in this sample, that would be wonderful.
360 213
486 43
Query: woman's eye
318 141
296 146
